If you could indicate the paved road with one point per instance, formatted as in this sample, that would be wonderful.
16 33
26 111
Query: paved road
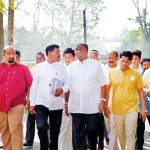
37 147
36 143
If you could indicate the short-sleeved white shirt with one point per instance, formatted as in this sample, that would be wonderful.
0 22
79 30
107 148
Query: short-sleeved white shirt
86 79
146 78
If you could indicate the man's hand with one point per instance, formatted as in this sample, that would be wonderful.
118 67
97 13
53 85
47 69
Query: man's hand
66 109
32 110
101 106
58 92
107 112
27 104
143 115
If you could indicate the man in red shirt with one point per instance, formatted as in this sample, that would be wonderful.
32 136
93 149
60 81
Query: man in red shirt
15 83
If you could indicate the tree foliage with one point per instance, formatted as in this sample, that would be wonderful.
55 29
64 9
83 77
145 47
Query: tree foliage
64 24
67 16
144 24
132 40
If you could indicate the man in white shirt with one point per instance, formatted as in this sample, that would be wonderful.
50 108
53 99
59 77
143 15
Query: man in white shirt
65 136
30 127
46 104
86 98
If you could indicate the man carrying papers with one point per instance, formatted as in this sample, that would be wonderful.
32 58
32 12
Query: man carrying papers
46 104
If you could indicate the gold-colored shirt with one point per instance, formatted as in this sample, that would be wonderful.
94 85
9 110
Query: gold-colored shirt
125 85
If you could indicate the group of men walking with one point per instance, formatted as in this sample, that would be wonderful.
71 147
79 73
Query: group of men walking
69 101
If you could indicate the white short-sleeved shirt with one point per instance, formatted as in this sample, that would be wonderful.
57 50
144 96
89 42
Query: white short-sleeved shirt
146 78
86 79
40 90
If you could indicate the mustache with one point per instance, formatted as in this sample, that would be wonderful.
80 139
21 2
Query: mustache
111 62
11 60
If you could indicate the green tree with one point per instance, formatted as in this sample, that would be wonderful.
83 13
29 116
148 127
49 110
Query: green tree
67 17
142 20
132 40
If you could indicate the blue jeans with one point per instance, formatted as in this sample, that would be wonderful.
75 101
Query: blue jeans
85 124
55 117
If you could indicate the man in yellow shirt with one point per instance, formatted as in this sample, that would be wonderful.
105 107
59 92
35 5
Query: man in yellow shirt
126 83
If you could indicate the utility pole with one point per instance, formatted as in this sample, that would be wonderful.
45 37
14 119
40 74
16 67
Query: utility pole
84 25
38 9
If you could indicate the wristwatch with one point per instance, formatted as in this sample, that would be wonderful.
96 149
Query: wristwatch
144 110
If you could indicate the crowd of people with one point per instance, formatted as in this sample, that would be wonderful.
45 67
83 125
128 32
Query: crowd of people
75 104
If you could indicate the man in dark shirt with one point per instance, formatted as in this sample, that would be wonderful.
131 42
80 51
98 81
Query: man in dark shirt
15 82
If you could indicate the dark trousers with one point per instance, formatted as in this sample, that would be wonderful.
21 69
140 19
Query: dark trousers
30 132
55 117
85 124
140 131
101 132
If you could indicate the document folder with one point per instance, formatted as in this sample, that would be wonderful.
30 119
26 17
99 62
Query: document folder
56 84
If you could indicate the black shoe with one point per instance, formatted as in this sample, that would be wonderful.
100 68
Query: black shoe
27 144
1 147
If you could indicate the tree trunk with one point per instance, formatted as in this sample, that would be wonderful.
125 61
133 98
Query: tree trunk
10 23
147 47
1 35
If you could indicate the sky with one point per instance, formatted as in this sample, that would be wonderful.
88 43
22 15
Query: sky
113 19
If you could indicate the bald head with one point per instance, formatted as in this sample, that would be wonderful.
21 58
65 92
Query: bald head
7 48
112 58
9 55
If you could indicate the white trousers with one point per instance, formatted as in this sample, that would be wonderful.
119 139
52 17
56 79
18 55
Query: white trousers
110 125
126 129
65 135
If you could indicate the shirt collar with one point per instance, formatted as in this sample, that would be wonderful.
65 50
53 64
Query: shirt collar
15 63
84 62
56 62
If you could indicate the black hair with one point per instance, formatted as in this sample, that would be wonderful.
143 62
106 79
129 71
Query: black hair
18 53
126 54
51 48
84 45
137 53
144 60
69 50
40 53
94 50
